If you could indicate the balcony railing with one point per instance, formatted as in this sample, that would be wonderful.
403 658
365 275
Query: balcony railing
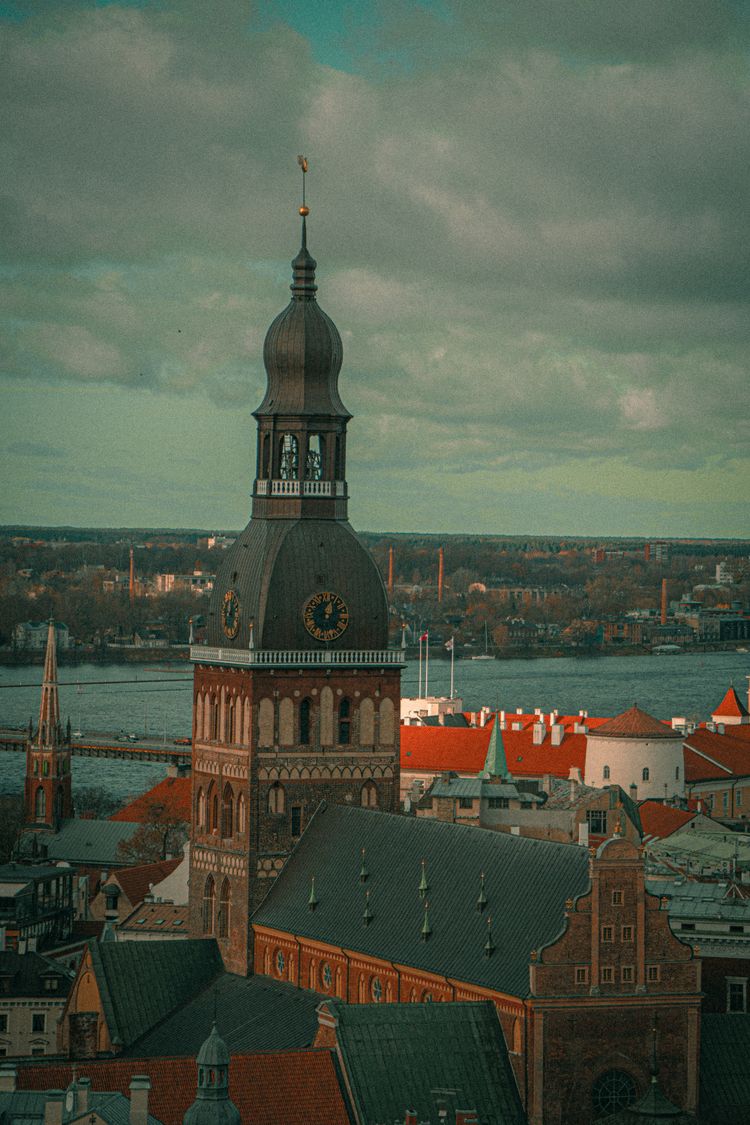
300 488
298 658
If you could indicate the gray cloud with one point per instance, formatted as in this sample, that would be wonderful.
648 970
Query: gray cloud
532 234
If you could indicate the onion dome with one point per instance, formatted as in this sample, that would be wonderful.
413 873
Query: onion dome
302 351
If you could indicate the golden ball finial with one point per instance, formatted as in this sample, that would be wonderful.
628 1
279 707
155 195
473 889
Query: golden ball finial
304 211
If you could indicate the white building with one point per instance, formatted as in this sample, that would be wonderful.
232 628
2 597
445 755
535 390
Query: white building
636 749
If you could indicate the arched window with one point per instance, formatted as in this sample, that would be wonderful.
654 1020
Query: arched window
227 811
206 716
265 722
677 773
40 804
362 989
387 722
209 894
288 457
368 796
345 722
314 459
645 774
212 809
338 460
59 803
305 708
199 715
214 706
200 809
241 815
276 798
266 458
223 918
605 773
229 724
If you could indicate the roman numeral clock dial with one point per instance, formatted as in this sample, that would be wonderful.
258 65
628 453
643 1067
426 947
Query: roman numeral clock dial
326 616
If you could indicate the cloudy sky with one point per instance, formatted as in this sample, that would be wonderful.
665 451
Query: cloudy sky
530 219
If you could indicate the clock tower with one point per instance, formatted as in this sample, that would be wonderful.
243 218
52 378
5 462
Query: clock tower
296 693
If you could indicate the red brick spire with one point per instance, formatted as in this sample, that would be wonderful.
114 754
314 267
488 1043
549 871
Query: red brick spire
48 733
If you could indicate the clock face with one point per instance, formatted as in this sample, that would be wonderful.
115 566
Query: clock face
326 616
230 614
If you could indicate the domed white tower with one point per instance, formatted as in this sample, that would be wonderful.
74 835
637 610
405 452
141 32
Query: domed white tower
634 748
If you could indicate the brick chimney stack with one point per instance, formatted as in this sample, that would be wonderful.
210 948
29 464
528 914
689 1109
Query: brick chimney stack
140 1084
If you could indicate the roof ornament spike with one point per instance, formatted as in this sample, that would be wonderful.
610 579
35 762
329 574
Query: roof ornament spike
482 900
424 886
489 945
426 927
312 902
367 914
363 872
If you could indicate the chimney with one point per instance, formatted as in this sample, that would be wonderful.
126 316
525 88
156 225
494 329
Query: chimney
467 1117
53 1107
140 1084
663 618
540 733
8 1076
583 834
410 1117
633 791
441 571
84 1089
558 734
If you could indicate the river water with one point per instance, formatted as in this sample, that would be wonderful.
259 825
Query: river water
156 701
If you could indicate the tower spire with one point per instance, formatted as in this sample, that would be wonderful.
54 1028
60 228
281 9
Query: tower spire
48 796
48 732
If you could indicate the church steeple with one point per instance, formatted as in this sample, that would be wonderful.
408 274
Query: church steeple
48 796
301 463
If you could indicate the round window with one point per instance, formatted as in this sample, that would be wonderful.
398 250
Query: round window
280 962
376 988
613 1091
326 976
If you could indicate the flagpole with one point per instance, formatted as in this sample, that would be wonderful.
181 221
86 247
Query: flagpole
453 645
419 688
426 664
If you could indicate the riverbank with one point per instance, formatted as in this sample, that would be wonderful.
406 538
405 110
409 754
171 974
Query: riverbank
170 654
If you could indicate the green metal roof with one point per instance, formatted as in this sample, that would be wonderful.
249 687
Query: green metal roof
142 982
725 1074
93 843
526 883
412 1056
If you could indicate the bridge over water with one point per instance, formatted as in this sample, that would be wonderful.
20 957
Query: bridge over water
108 745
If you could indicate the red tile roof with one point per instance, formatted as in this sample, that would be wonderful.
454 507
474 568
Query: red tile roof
136 882
464 749
710 755
172 793
282 1088
662 820
731 706
635 723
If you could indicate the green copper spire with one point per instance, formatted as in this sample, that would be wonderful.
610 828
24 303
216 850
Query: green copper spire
424 886
363 872
367 914
482 900
426 927
495 764
489 945
312 902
